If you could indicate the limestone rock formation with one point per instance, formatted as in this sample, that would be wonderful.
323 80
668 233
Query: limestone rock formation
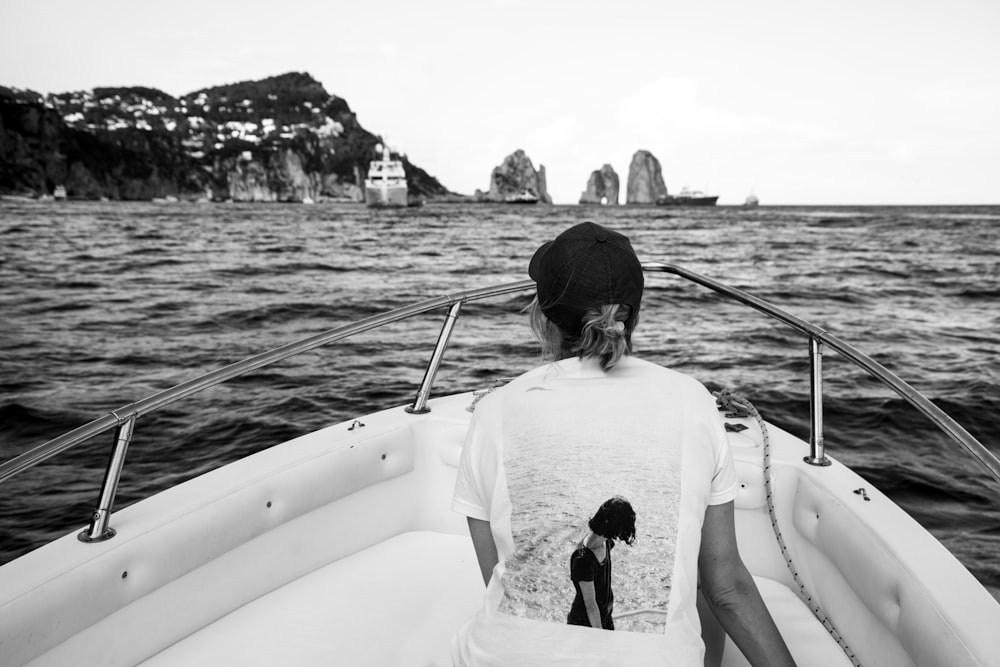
281 176
516 177
645 180
543 188
602 187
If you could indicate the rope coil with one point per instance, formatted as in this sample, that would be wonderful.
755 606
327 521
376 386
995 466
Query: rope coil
738 406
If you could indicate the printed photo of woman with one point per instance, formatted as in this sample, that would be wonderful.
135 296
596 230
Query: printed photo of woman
590 564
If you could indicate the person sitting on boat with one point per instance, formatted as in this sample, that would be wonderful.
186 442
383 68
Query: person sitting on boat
592 423
590 564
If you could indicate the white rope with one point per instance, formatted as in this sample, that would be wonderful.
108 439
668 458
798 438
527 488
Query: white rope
480 394
740 406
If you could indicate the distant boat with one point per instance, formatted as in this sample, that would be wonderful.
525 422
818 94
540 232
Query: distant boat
308 200
523 197
386 182
59 192
688 197
751 201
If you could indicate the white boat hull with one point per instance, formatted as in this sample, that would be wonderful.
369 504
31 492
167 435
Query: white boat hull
391 196
339 548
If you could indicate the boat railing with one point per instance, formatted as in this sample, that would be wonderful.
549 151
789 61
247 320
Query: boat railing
123 419
818 338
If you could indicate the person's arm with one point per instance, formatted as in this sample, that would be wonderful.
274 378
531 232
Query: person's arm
486 548
712 634
590 603
732 594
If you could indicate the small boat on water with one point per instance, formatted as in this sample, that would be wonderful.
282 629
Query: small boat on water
339 546
751 201
385 185
59 193
688 197
522 197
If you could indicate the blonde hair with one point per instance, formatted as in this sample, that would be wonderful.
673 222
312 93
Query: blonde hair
604 334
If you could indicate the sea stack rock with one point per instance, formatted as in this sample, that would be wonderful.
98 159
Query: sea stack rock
602 187
516 177
645 180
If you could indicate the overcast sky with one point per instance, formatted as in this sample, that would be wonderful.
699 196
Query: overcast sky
799 102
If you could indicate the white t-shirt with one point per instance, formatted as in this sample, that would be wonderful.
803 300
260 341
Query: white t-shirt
542 454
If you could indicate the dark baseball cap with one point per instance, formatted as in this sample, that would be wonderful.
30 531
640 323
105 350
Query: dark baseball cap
587 266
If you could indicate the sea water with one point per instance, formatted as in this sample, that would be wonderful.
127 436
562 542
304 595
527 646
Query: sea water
105 303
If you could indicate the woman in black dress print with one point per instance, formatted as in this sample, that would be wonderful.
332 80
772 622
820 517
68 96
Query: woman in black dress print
590 564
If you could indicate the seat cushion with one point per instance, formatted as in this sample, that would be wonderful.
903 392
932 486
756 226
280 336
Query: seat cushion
810 643
396 603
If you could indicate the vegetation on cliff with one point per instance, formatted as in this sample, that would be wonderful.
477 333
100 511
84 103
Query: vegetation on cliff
282 138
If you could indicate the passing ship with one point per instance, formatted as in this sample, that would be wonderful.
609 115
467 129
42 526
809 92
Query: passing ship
688 197
385 184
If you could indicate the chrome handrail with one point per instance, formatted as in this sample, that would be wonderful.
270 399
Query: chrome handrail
818 335
123 419
161 399
419 405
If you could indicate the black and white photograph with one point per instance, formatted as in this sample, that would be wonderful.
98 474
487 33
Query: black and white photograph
500 334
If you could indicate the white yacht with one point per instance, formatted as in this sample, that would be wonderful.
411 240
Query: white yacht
385 184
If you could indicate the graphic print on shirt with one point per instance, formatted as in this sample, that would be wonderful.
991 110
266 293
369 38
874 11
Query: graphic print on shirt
557 484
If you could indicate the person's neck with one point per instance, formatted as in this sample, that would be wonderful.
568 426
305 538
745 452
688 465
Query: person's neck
595 541
565 353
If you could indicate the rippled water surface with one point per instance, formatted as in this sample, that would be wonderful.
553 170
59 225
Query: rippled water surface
105 303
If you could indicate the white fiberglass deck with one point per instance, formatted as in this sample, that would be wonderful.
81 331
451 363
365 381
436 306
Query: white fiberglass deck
398 603
339 548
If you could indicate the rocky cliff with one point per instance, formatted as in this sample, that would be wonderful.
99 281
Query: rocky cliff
278 139
645 180
516 177
602 187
